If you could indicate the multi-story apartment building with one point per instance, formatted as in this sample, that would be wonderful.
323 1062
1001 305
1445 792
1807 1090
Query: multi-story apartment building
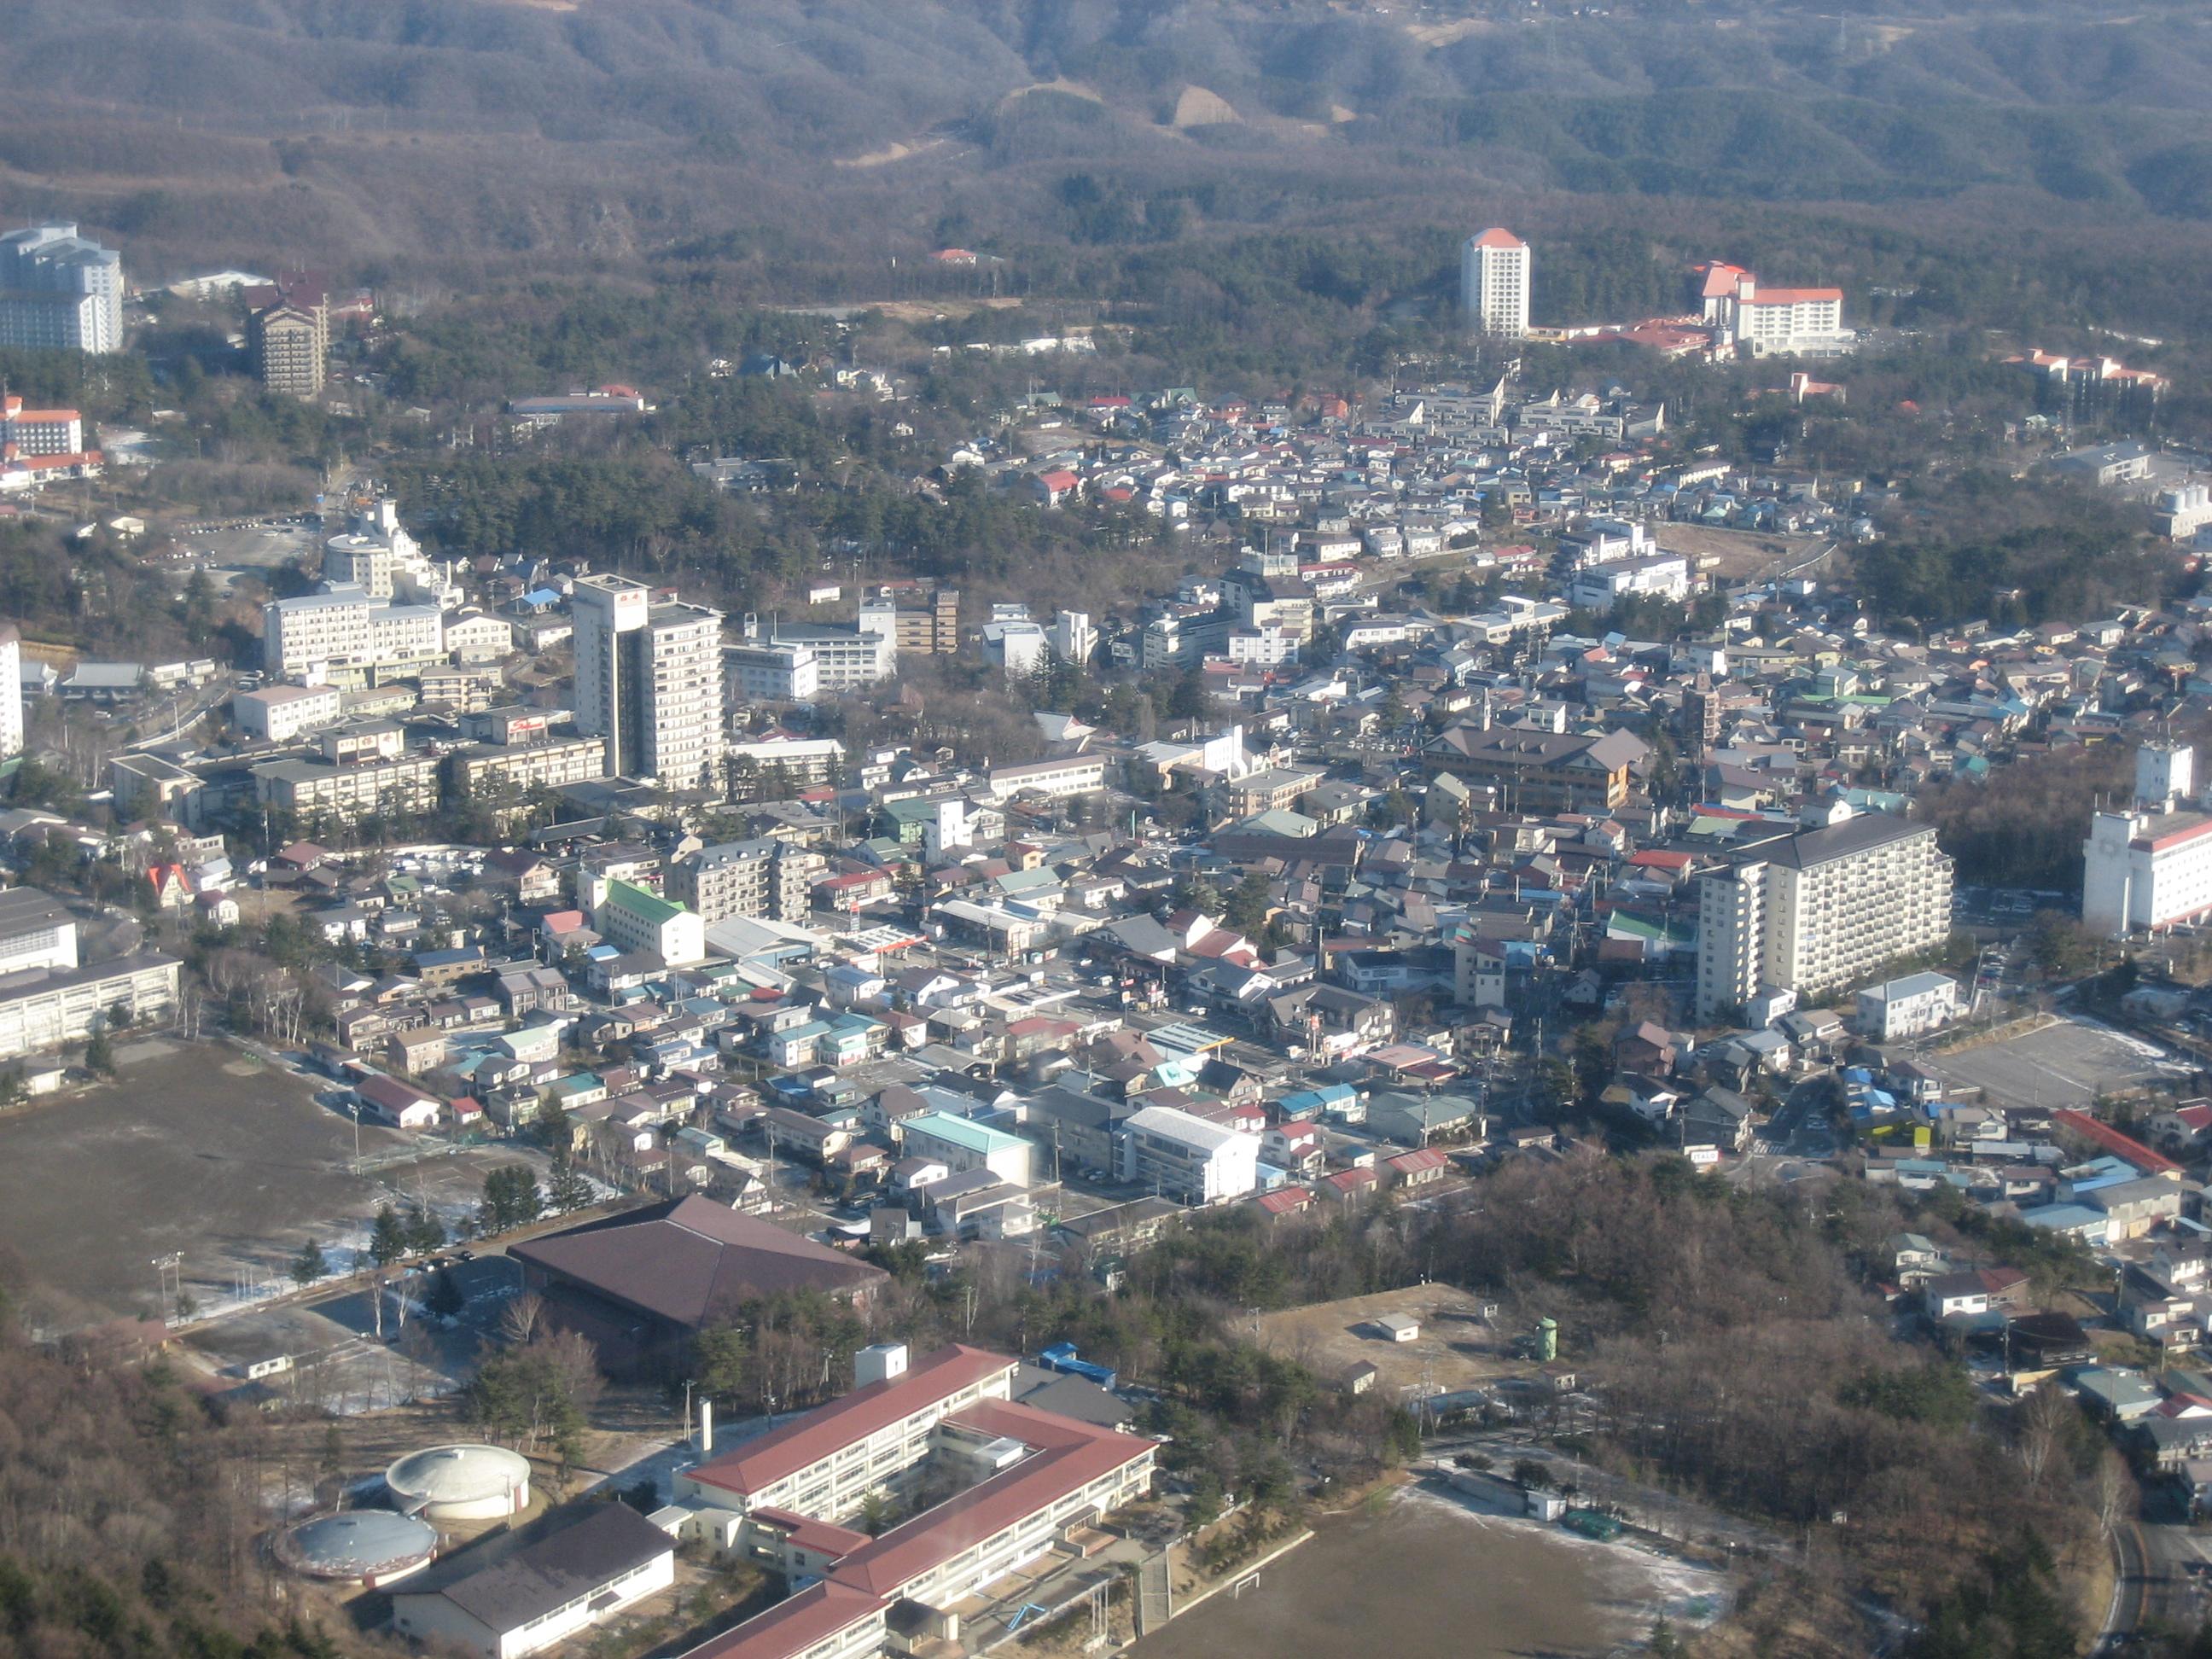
843 659
796 761
343 636
2150 867
59 292
363 771
1812 911
771 670
649 681
1494 283
291 346
491 771
1184 1156
929 626
1538 771
462 690
763 878
11 690
278 713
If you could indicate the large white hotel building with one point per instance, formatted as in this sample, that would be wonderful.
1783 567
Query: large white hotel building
2150 866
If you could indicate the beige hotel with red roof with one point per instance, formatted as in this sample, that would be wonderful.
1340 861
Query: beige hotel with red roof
1764 322
1028 1480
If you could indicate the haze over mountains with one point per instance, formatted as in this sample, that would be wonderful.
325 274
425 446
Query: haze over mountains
553 131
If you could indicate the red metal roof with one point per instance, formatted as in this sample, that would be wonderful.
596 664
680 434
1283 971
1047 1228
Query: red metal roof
824 1537
1428 1157
1067 1456
2171 838
1496 237
2120 1145
793 1626
860 1414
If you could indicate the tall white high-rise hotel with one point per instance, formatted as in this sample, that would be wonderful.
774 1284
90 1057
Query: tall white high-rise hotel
649 681
59 292
1494 283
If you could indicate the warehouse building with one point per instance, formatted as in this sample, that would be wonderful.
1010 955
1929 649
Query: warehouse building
607 1559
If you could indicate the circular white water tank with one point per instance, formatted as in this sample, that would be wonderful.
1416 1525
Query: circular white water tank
362 1547
460 1483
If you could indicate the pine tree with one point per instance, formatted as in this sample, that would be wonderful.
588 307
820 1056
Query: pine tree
445 1298
425 1232
570 1190
309 1266
387 1238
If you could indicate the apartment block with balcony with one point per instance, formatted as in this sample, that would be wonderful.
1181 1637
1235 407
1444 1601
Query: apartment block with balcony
1813 911
764 878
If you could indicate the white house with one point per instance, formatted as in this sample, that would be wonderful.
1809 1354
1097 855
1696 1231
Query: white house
1907 1007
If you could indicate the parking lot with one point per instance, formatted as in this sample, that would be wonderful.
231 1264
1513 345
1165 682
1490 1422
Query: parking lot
2065 1065
2004 907
202 1152
253 549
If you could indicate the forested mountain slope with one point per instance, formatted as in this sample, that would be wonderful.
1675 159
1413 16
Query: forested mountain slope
558 131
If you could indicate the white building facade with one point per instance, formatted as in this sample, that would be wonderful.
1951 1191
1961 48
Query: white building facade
649 681
1183 1155
59 292
1907 1007
2150 867
11 691
1494 283
1813 911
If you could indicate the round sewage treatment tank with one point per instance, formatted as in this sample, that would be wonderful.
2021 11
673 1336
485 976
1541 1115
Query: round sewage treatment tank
360 1547
447 1484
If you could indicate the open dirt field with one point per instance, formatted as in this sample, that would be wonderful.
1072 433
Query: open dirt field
1459 1582
206 1152
1742 555
1455 1349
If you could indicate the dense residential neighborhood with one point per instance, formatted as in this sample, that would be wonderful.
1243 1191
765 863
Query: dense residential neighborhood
876 1112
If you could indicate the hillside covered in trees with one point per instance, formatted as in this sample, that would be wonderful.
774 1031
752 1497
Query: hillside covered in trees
201 132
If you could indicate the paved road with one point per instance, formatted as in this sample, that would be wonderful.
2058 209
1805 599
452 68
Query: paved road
2130 1599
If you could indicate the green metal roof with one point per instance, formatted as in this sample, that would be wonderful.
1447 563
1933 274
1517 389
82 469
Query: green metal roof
963 1132
642 902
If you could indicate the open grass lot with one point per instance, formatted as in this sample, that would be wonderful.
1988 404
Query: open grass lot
203 1151
2066 1064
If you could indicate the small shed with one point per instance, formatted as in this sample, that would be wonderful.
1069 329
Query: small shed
1359 1378
1399 1328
